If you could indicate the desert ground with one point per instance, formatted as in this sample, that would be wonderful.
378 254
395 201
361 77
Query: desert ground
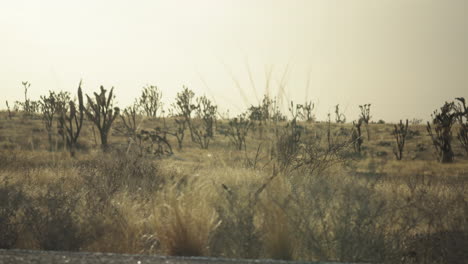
287 187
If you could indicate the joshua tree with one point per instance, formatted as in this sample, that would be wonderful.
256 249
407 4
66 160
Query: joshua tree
185 107
356 136
206 112
442 122
400 131
130 119
238 129
150 100
10 116
462 116
295 111
71 119
365 117
48 109
339 117
307 109
102 113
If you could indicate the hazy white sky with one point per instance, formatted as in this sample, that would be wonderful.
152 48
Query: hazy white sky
406 57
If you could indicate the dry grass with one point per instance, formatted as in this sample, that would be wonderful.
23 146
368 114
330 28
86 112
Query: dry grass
215 202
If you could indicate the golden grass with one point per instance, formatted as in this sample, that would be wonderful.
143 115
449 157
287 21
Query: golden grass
205 202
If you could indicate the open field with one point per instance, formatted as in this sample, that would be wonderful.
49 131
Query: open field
314 200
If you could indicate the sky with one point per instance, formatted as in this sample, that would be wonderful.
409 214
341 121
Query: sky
405 57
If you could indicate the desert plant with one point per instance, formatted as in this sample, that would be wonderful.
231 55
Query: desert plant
10 115
400 131
180 127
12 199
102 113
52 105
288 142
306 113
184 106
442 139
238 213
356 136
185 229
130 119
462 116
156 142
206 112
340 118
71 120
365 117
150 100
238 130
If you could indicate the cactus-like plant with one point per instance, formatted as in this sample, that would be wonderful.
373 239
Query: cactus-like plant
356 136
130 119
185 107
365 117
150 100
442 134
400 131
340 118
462 116
237 131
10 115
102 112
71 120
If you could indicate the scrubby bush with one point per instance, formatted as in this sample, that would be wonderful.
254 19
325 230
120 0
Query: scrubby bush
12 199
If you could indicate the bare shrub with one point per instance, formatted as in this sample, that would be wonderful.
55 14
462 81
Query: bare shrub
115 172
154 142
58 221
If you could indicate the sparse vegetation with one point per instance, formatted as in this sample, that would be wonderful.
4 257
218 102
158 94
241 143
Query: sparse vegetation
303 196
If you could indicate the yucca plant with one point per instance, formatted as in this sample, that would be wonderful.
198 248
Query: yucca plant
71 120
441 131
102 113
400 131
